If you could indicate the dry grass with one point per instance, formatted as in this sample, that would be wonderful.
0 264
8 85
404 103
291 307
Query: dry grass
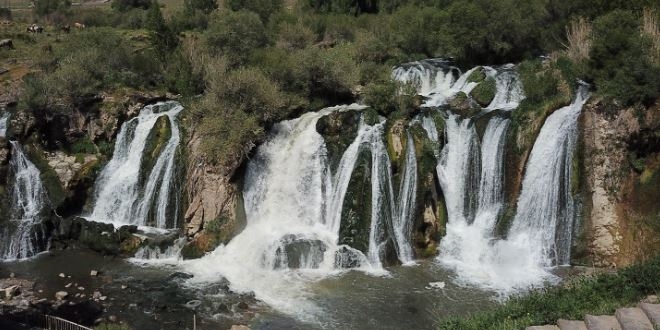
651 28
578 35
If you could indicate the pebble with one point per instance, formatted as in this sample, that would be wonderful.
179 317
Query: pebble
68 285
81 288
112 318
103 298
62 275
59 295
123 287
93 273
96 295
436 285
12 275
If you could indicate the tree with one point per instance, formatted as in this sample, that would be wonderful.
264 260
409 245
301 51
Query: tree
126 5
45 7
236 35
206 6
162 37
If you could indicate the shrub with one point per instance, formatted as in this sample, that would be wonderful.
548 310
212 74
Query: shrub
205 6
235 35
620 62
162 37
45 7
126 5
263 8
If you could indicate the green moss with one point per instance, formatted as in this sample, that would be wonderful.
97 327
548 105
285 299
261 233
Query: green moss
49 178
156 141
484 92
83 146
356 211
476 76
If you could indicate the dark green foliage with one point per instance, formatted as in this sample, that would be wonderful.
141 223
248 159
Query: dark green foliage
205 6
388 96
162 37
83 146
264 8
5 13
180 76
125 5
620 60
45 7
600 294
484 92
235 35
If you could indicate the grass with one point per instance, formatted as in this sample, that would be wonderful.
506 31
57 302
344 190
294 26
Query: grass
600 294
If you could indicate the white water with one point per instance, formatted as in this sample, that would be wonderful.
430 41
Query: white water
120 196
544 212
402 223
509 92
3 124
158 255
545 207
293 207
22 236
435 80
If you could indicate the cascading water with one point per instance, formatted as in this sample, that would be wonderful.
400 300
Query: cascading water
23 236
544 220
293 209
540 235
3 124
509 92
403 221
435 79
123 195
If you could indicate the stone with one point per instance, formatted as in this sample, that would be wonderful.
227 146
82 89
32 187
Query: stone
543 327
123 286
81 288
633 319
60 295
239 327
652 311
571 325
12 291
96 295
103 298
602 322
62 275
68 285
12 275
112 318
652 299
93 273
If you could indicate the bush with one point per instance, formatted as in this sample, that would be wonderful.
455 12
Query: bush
45 7
205 6
162 37
126 5
620 62
264 8
235 35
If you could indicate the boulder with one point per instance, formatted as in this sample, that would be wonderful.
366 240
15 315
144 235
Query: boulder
61 295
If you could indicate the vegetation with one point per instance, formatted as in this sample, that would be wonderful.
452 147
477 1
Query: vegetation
600 294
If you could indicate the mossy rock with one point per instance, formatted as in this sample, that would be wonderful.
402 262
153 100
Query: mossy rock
158 137
485 92
356 212
130 245
49 178
463 106
339 130
477 76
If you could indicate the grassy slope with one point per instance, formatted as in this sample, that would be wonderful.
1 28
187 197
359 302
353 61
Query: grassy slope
600 294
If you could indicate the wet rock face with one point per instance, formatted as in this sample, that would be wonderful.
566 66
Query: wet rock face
339 130
100 237
356 211
621 166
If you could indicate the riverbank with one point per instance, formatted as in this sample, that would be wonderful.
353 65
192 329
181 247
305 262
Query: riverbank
598 294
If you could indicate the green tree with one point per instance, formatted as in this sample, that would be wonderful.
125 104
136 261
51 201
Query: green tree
126 5
236 35
206 6
45 7
620 63
162 37
264 8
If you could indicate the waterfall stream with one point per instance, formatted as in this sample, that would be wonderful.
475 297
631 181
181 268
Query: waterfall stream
123 194
24 237
3 124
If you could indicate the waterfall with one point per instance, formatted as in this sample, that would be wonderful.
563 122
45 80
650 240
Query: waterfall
3 124
156 254
458 168
382 197
293 208
406 207
544 220
540 235
509 92
435 79
23 237
122 194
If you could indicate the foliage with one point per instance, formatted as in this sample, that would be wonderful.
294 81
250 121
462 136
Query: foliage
235 35
620 62
5 13
205 6
45 7
126 5
264 8
600 294
161 35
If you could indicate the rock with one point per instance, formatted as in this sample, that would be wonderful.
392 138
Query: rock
93 273
12 275
60 295
652 299
484 92
68 285
571 325
12 291
242 305
601 322
633 319
81 288
103 298
62 275
543 327
239 327
112 318
123 286
652 311
436 285
96 295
